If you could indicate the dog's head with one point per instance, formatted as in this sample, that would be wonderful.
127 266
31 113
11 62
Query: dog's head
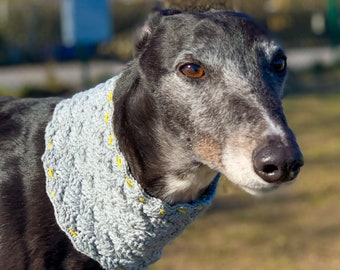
217 78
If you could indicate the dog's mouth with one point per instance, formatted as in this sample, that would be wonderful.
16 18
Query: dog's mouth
262 171
247 178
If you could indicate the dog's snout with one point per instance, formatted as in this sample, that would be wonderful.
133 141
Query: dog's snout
277 163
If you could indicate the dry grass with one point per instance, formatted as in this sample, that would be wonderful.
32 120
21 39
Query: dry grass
299 228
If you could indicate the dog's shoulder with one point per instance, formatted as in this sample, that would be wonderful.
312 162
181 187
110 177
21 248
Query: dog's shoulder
23 114
27 107
22 127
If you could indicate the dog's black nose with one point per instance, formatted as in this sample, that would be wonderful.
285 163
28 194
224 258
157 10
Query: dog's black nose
277 163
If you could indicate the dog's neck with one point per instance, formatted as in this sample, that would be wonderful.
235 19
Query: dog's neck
163 164
100 206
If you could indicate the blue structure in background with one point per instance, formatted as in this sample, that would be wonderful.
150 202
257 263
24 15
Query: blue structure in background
85 22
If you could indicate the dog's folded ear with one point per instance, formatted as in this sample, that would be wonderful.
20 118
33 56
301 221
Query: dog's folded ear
145 33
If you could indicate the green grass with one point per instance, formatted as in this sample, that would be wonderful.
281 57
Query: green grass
298 228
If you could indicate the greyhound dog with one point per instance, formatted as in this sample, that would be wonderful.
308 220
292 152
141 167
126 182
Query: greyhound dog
105 179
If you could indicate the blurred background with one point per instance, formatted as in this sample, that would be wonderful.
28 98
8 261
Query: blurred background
58 47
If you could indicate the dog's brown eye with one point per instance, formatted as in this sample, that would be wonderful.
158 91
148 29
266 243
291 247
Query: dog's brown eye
193 71
279 64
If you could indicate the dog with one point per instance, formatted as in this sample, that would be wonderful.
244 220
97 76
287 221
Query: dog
201 97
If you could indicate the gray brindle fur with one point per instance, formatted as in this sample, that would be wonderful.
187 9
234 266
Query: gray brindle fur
175 131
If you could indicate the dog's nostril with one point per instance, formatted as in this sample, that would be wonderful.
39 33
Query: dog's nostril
295 169
276 164
269 169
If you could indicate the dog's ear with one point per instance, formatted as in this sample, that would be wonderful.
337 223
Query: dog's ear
146 31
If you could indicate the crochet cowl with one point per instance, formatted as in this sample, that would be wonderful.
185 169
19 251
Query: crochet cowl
97 202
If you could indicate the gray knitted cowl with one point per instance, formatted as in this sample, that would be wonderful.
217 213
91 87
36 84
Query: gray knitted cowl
97 203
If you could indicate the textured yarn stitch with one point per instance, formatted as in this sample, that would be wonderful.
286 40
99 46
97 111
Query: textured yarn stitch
97 203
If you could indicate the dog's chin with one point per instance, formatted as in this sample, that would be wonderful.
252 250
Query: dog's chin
266 189
263 191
